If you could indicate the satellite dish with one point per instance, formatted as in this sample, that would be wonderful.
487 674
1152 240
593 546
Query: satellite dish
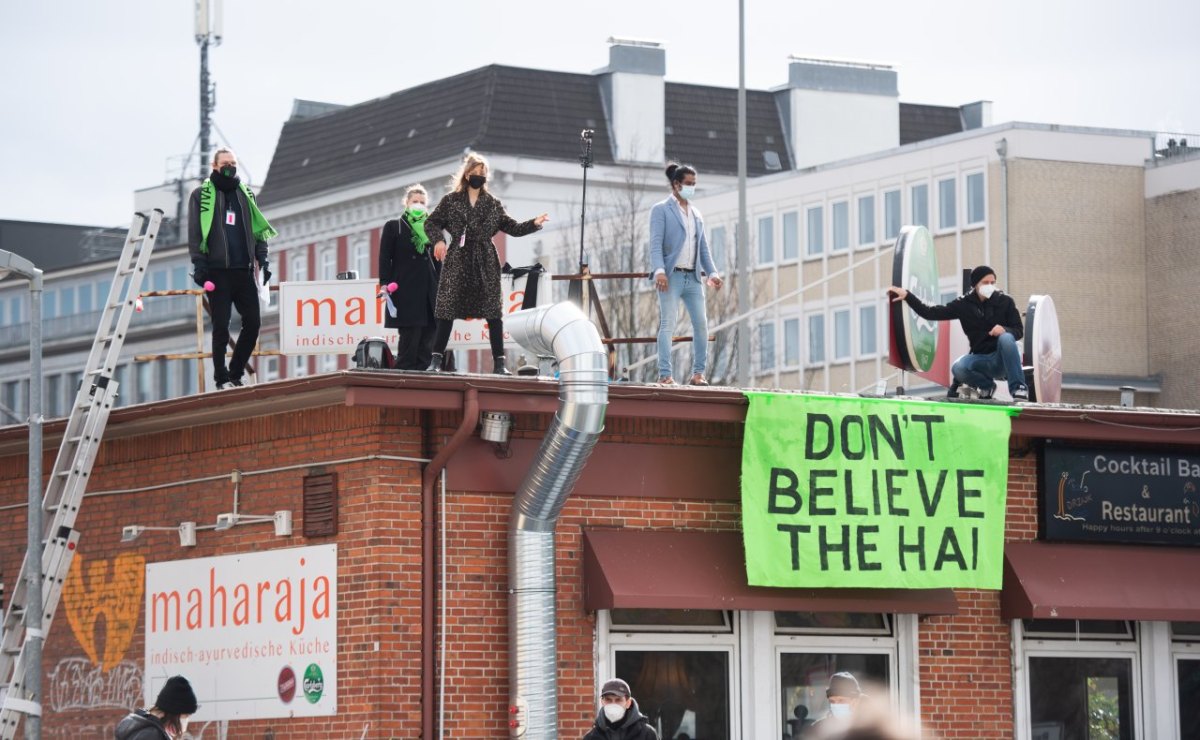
1043 349
914 268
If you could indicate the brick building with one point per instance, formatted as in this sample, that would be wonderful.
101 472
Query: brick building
651 579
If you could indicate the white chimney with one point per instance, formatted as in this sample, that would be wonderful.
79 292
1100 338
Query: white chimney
838 109
633 89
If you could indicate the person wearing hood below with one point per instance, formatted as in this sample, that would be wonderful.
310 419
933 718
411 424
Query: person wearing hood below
992 324
227 242
167 719
619 718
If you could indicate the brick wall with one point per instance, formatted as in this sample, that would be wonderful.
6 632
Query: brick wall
965 659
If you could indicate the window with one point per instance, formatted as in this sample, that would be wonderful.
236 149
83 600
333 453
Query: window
270 369
947 205
841 225
867 332
671 620
1081 697
803 678
975 203
920 205
145 383
791 342
816 339
85 298
815 236
54 385
74 381
766 240
188 379
298 265
327 263
683 691
49 304
298 366
327 363
716 247
360 258
16 310
103 288
841 334
66 301
891 214
158 280
839 623
1188 677
10 396
766 347
162 379
179 278
791 235
866 220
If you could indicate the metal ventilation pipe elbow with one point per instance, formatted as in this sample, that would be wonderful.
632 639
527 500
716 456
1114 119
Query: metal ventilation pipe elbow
561 330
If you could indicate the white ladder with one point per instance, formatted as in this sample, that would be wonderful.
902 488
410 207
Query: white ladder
69 476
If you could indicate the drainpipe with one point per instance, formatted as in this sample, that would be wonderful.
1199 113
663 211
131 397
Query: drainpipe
561 330
429 513
1002 150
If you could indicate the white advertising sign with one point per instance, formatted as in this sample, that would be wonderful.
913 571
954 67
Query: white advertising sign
255 634
323 317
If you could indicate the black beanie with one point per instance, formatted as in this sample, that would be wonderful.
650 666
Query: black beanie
177 697
979 273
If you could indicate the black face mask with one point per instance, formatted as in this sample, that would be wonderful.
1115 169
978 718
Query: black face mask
225 179
476 181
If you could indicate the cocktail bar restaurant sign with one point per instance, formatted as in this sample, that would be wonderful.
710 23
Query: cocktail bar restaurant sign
1113 495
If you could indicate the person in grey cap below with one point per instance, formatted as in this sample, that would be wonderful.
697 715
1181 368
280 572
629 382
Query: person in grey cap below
844 696
167 719
619 718
993 326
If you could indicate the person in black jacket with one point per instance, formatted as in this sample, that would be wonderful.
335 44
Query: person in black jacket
619 717
992 324
406 259
167 719
227 242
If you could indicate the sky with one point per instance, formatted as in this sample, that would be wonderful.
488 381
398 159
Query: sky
102 98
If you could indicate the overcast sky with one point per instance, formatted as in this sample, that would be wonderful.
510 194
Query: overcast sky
101 98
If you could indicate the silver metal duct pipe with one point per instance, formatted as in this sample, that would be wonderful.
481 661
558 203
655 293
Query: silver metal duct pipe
561 330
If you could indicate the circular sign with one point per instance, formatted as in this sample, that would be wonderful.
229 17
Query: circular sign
914 268
314 683
286 684
1043 349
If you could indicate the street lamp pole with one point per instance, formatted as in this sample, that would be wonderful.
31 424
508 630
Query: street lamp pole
743 228
34 604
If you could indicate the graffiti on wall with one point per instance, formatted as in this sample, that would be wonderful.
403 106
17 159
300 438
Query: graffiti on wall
107 591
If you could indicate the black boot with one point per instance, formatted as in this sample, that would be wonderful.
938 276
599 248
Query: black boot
500 366
435 363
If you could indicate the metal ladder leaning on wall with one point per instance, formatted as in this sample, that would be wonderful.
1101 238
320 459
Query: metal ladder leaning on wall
69 476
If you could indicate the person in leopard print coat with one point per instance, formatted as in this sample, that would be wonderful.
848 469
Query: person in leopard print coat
470 282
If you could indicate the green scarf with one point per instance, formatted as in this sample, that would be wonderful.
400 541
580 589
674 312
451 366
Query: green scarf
416 222
258 223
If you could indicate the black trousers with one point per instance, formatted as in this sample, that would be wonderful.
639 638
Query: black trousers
414 350
495 336
233 288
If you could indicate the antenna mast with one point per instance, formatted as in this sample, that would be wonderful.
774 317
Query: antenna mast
208 33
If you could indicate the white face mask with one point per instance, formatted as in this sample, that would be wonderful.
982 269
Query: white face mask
183 723
614 712
839 710
987 290
687 192
416 207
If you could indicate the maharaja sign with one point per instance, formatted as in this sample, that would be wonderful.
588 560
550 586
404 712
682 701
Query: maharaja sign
1113 495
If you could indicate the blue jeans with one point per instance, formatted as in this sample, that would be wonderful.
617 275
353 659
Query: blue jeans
982 371
686 286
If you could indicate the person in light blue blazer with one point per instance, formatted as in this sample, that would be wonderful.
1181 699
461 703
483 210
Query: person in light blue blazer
680 266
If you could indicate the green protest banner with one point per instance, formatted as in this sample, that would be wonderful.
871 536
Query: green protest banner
873 493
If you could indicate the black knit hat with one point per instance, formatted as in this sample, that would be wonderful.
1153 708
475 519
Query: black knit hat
177 697
979 273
